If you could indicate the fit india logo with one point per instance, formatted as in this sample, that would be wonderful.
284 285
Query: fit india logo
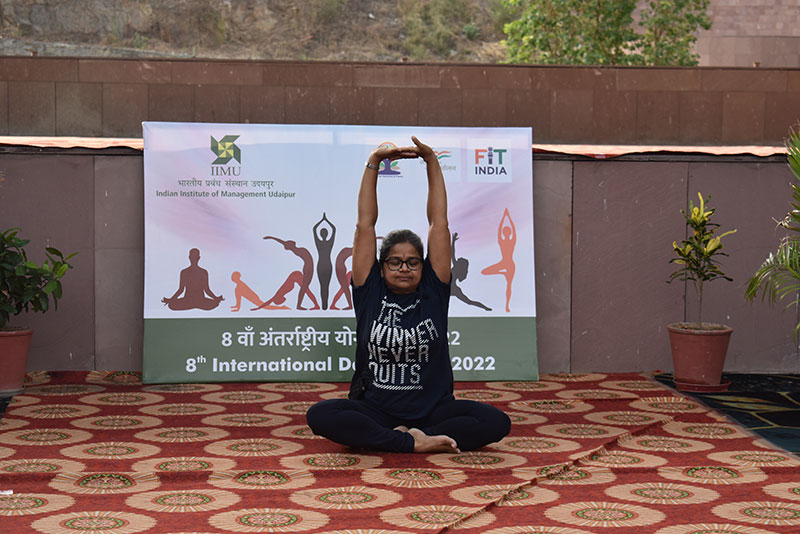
226 150
389 167
490 161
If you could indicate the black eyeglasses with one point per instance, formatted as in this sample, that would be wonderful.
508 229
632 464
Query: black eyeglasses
394 263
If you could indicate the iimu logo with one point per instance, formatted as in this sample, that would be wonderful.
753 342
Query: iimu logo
490 160
225 150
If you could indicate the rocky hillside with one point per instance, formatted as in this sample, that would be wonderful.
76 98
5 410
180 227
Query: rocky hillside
337 30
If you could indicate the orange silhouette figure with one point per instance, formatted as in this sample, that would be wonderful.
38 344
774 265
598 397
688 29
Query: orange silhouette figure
302 279
507 240
244 291
194 287
343 276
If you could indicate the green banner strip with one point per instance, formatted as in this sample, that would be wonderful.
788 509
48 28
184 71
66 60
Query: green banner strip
319 350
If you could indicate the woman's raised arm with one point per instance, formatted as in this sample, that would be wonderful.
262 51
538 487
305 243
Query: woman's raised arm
364 246
438 230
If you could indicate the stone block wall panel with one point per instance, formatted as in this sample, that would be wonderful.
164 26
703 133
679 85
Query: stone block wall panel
439 107
39 69
571 112
139 71
3 109
171 103
700 117
262 104
530 108
79 109
216 103
586 105
125 107
216 73
658 117
308 105
352 105
742 117
31 108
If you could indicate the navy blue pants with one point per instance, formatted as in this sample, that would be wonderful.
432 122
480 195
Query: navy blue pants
357 423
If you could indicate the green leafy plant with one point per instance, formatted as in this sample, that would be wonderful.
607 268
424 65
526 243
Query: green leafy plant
696 255
431 27
779 275
604 32
140 41
471 31
25 285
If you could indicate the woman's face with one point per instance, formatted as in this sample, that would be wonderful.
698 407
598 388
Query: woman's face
404 280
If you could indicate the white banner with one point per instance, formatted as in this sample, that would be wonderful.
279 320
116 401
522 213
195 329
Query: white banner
255 223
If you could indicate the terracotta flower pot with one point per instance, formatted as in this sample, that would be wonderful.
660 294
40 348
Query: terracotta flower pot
14 347
699 355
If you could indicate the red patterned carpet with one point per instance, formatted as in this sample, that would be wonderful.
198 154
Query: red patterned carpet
100 453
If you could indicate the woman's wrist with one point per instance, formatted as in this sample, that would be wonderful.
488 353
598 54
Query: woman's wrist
373 159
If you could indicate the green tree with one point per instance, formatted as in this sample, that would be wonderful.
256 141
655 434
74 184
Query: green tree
670 28
603 32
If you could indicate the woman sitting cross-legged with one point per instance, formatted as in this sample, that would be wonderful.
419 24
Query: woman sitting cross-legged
401 395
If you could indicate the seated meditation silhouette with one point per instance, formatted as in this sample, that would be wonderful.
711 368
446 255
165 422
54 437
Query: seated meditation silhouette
194 288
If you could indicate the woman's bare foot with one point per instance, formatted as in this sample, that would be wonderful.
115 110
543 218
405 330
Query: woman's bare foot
425 443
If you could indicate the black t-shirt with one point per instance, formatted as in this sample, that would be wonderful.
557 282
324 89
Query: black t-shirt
402 356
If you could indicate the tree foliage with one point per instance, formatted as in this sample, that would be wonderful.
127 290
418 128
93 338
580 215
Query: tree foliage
604 32
779 275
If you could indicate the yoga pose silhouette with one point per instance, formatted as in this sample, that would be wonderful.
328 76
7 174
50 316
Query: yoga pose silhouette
244 291
343 276
324 245
194 287
303 279
507 240
460 270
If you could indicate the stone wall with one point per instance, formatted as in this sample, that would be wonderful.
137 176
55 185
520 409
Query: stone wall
749 32
613 105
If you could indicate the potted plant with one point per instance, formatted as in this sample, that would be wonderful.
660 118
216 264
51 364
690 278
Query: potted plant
698 349
779 275
24 286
